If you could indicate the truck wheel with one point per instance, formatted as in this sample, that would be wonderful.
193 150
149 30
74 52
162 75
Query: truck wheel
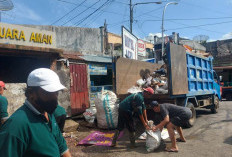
192 120
215 105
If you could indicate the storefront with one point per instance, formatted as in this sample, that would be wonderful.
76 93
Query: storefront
22 50
100 75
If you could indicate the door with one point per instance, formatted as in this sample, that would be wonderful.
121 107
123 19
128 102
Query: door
79 88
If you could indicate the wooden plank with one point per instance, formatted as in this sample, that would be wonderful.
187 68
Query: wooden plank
179 82
128 71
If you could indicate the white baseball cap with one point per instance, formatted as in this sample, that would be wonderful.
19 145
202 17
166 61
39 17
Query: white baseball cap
46 79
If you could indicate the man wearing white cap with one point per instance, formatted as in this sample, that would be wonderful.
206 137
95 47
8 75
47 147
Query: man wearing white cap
32 130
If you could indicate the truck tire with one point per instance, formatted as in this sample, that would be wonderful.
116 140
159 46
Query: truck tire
192 120
215 105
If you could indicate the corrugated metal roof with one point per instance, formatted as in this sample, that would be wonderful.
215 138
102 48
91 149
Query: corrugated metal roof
72 56
101 59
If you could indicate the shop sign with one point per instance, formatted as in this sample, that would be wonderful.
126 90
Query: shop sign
97 69
27 36
141 48
129 44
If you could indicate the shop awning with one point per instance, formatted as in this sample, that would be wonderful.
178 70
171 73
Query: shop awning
100 59
11 49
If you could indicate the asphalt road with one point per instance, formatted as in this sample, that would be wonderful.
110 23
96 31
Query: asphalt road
211 136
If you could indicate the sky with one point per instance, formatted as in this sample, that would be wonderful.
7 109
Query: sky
189 18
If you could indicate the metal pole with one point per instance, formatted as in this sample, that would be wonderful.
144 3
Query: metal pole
162 27
131 15
132 8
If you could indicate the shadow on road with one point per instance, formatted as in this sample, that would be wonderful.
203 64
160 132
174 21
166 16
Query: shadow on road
228 140
123 146
201 112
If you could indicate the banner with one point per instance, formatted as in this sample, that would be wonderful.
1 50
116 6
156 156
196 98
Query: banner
141 48
129 44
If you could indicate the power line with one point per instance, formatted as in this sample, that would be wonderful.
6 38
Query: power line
117 23
140 29
187 25
67 2
83 19
80 13
205 8
149 12
201 25
116 13
94 18
69 12
209 18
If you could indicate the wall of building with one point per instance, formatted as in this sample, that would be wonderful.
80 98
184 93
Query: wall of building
15 95
84 40
221 51
64 96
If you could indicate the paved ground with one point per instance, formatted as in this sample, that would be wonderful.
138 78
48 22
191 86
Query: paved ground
211 136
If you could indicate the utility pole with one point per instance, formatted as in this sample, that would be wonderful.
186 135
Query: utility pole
131 15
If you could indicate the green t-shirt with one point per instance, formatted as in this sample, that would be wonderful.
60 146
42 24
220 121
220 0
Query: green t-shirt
3 107
28 134
59 111
138 100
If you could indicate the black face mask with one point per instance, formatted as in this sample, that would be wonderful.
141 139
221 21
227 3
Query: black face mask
48 106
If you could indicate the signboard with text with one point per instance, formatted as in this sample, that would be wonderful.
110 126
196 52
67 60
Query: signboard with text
129 44
141 48
27 36
97 69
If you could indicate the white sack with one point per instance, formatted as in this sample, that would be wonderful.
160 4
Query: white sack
153 140
140 82
107 110
134 89
90 114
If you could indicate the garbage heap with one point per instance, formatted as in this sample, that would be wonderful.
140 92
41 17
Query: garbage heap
157 80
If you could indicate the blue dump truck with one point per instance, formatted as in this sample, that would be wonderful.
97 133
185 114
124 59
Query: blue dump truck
192 81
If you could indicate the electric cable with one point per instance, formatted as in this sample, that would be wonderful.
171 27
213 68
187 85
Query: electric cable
200 25
69 12
80 13
83 19
94 18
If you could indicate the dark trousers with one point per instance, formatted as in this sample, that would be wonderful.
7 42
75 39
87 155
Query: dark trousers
61 121
125 119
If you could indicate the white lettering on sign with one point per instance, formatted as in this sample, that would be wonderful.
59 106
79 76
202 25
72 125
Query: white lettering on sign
20 35
129 44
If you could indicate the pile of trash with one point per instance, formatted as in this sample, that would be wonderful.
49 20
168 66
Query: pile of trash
156 80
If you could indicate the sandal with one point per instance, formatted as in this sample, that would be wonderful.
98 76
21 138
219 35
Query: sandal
179 140
171 150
